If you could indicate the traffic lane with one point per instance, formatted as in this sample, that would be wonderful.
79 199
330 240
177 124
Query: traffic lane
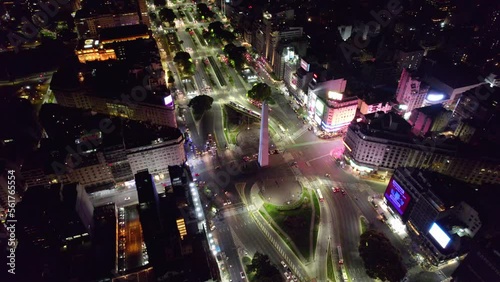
348 224
324 236
227 246
255 241
218 125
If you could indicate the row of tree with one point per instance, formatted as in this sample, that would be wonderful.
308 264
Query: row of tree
216 30
204 13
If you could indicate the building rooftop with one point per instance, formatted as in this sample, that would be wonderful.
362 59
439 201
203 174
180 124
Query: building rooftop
455 76
121 32
65 125
110 79
448 189
433 110
377 95
94 8
393 127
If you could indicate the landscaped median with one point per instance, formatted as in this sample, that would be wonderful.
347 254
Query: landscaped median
292 223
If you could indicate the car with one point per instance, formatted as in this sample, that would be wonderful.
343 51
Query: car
335 189
242 275
294 278
343 192
287 275
196 174
284 264
127 198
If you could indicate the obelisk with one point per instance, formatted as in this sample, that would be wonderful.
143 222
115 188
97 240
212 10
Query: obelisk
264 136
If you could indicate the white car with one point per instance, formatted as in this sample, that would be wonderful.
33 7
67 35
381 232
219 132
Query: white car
284 264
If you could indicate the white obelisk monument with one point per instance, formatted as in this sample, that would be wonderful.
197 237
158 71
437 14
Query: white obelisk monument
264 136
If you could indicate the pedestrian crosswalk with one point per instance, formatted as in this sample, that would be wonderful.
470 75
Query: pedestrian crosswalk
299 132
227 228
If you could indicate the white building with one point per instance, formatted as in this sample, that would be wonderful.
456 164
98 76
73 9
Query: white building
157 157
385 142
411 92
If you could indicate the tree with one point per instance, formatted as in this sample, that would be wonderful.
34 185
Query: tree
167 15
260 92
200 104
235 55
204 12
184 63
381 259
264 270
153 17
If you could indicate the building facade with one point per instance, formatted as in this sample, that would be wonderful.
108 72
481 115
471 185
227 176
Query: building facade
328 107
411 92
435 211
385 142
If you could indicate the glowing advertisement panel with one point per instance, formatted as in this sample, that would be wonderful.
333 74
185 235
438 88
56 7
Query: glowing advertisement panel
397 197
439 235
320 108
304 65
167 100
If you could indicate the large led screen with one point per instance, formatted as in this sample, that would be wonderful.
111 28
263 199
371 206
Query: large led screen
397 197
439 235
320 108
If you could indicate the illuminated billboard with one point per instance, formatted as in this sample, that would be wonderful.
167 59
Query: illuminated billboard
335 95
320 108
167 100
435 97
439 235
397 197
304 65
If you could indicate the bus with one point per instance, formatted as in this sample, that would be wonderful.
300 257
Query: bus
339 250
320 196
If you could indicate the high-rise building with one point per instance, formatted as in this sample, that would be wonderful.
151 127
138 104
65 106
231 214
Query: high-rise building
328 106
411 92
437 211
109 88
95 15
409 59
429 119
482 263
385 142
105 237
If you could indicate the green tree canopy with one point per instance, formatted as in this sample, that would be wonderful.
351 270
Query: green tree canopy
260 92
204 12
264 270
184 63
235 55
381 259
200 104
167 15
